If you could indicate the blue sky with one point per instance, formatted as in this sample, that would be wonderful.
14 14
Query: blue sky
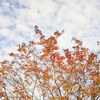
78 18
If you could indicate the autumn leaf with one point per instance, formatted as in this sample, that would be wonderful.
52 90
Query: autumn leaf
49 71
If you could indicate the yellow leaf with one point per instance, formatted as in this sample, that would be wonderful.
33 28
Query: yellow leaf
75 88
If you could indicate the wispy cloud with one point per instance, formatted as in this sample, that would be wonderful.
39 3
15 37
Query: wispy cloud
79 18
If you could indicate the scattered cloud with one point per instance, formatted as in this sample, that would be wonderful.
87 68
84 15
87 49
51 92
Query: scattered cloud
79 18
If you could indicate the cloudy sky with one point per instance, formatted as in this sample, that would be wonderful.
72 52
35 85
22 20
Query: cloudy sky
78 18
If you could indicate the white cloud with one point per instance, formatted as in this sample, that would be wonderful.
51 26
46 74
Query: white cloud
5 21
79 18
4 32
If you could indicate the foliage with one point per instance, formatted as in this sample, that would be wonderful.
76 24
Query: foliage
73 75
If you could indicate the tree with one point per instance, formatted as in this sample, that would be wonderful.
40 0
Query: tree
44 71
